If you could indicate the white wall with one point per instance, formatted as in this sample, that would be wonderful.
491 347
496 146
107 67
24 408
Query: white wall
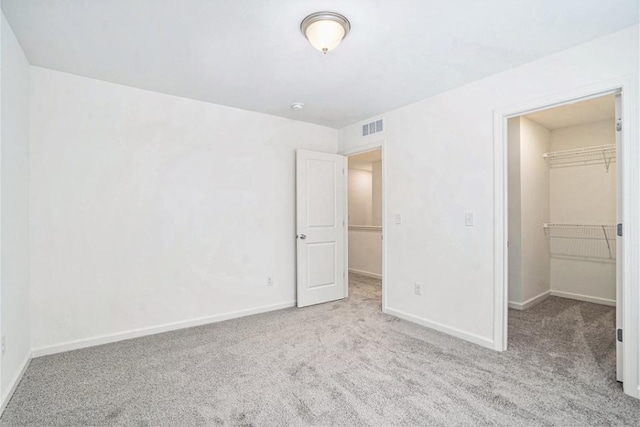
365 251
365 209
376 193
360 197
149 209
534 181
565 193
14 292
529 270
584 194
440 164
514 213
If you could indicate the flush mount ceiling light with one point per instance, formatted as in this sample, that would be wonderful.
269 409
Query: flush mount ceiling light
325 30
297 106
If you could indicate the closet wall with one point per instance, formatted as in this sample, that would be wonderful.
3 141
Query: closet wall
562 212
529 272
583 194
365 219
14 202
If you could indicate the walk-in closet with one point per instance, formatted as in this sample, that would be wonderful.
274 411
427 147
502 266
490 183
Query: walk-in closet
562 227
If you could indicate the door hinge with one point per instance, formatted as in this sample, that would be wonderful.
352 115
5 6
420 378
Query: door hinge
619 125
619 335
619 232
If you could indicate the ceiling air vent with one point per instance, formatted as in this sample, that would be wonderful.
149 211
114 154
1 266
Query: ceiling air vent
373 127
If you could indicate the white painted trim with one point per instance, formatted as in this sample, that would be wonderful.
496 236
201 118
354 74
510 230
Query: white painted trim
630 158
385 229
501 227
365 273
586 298
13 385
136 333
1 326
346 229
378 144
467 336
530 302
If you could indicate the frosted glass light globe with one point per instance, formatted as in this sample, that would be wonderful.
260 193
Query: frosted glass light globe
325 35
325 30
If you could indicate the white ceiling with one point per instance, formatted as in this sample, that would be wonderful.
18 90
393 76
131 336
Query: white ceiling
250 53
592 110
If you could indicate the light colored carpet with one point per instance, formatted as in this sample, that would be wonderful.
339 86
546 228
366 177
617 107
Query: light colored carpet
342 363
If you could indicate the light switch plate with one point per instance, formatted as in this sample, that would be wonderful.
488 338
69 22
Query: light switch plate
417 288
468 219
398 218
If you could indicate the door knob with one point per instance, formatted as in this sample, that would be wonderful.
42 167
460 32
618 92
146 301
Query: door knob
302 236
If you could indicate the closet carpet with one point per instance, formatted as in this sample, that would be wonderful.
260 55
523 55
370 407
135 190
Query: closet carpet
342 363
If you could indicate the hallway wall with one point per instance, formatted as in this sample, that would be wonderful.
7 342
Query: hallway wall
365 220
360 197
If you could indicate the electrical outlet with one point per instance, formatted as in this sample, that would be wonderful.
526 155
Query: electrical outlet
418 288
270 281
4 345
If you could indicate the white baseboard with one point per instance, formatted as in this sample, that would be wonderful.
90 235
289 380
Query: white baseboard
586 298
14 382
467 336
136 333
530 302
365 273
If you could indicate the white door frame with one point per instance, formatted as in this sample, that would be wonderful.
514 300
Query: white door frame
629 158
374 145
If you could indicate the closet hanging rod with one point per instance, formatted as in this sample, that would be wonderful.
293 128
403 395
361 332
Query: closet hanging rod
610 148
555 225
581 239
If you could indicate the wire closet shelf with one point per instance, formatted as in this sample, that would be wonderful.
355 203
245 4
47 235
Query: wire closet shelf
601 154
581 240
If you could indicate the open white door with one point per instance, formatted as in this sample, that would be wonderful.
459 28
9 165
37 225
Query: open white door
619 257
320 204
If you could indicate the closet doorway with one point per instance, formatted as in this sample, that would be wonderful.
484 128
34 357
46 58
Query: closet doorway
564 204
365 227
